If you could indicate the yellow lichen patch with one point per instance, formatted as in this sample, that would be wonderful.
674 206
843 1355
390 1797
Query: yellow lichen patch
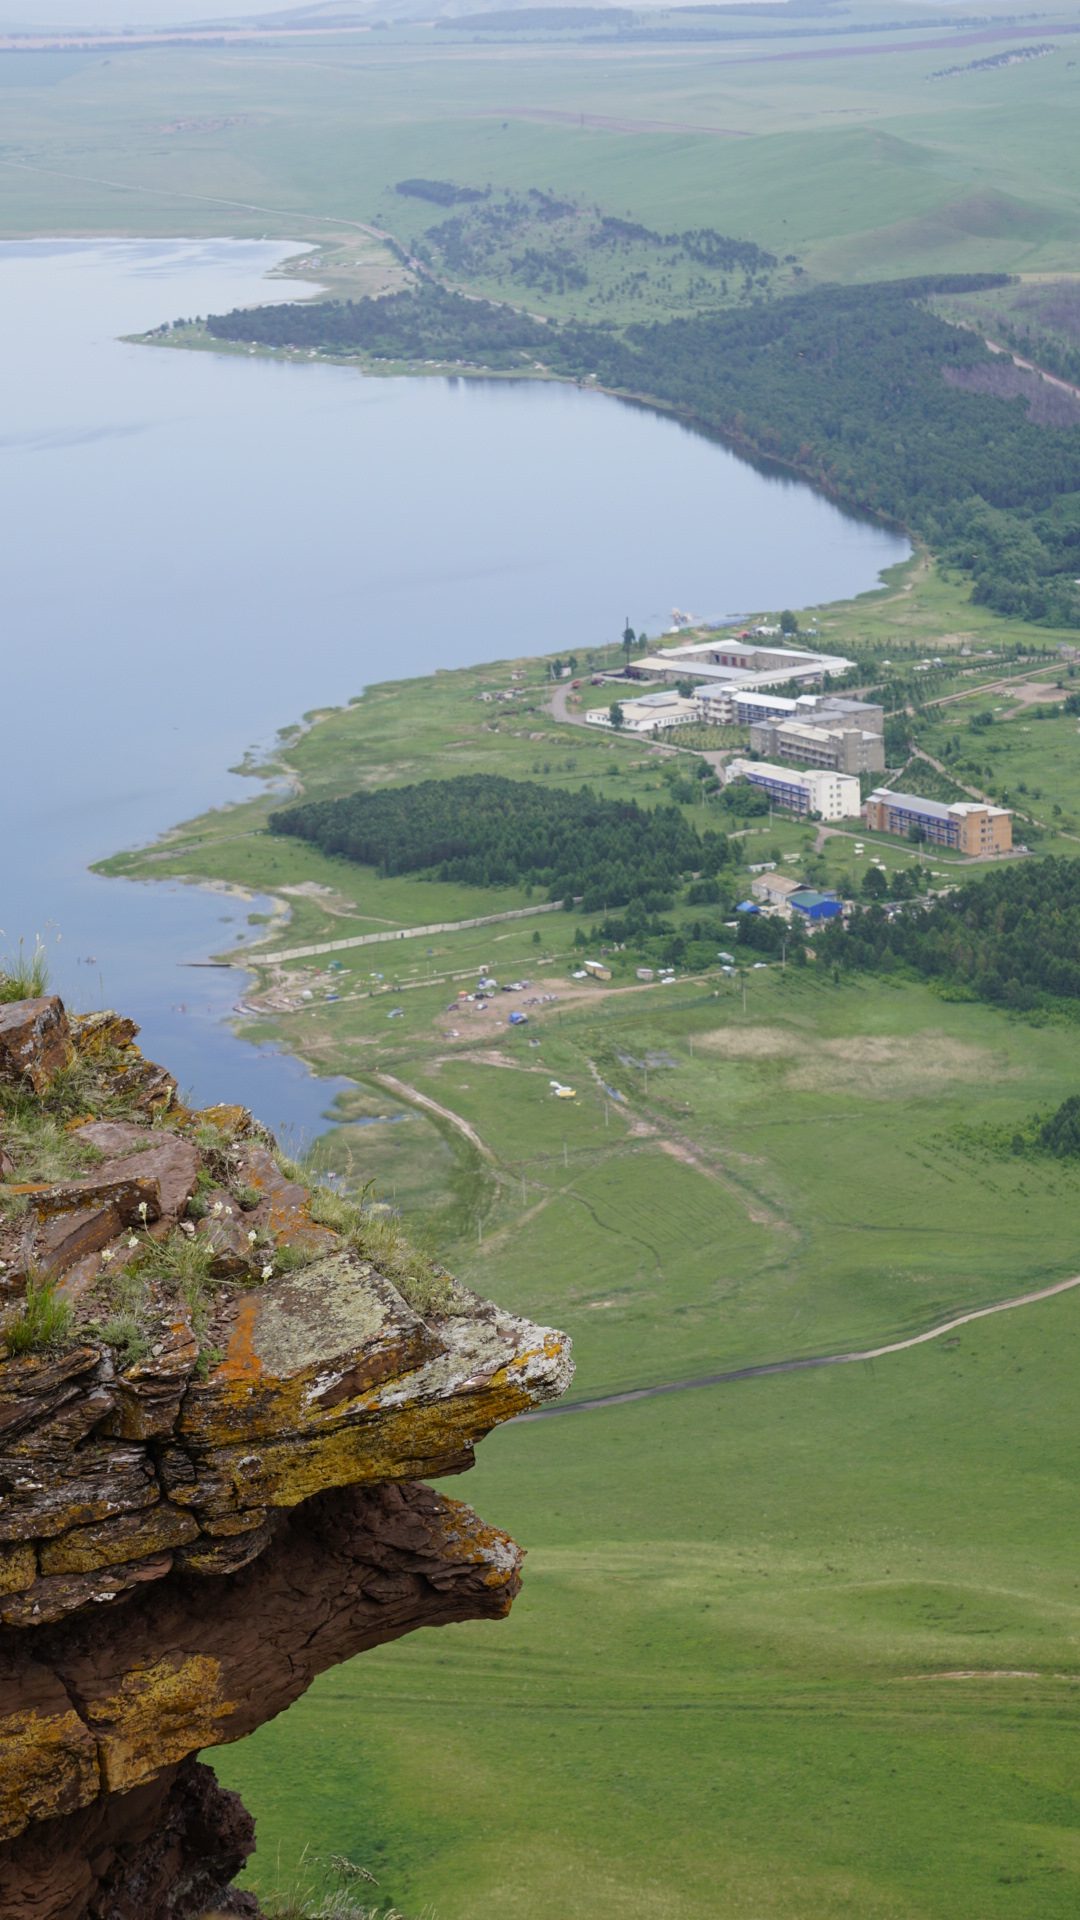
228 1119
403 1443
96 1034
129 1536
303 1350
48 1766
18 1567
160 1715
468 1538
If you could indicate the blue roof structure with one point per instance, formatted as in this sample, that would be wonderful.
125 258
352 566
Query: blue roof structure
815 906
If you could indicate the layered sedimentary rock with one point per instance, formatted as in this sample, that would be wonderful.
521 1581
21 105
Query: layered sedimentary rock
215 1409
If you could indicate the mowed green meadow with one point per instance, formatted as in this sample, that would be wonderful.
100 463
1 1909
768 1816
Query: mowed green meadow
831 1169
802 1646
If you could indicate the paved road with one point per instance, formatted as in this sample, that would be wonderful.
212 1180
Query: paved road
799 1366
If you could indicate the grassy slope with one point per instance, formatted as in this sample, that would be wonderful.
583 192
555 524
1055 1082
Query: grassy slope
720 1692
853 164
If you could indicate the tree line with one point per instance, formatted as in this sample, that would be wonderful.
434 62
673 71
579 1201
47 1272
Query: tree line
1012 937
485 830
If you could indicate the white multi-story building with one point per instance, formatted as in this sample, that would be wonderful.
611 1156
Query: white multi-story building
833 796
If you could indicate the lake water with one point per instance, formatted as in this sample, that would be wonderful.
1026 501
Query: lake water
197 549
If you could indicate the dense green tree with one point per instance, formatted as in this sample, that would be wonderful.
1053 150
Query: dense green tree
1011 936
484 830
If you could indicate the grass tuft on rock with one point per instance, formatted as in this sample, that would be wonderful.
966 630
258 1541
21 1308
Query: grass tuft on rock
24 977
38 1143
377 1234
123 1333
44 1321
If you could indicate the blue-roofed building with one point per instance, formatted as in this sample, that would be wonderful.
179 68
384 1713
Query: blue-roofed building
815 906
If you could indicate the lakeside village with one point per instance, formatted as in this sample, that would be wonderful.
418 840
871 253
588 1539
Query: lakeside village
814 755
810 752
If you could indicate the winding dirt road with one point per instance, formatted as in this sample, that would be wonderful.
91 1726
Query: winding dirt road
799 1366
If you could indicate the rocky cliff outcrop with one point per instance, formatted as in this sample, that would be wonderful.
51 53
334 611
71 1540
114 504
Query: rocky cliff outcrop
219 1392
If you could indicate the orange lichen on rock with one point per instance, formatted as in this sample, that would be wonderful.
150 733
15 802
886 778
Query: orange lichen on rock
207 1471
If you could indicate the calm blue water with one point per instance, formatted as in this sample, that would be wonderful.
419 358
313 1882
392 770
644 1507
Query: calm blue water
197 549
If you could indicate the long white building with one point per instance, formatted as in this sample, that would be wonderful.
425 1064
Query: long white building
833 796
649 712
730 664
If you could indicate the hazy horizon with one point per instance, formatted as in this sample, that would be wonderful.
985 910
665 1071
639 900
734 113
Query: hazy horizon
58 16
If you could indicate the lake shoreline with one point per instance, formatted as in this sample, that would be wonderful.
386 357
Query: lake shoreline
196 339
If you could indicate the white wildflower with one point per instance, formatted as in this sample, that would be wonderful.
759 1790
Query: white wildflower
133 1242
268 1273
252 1237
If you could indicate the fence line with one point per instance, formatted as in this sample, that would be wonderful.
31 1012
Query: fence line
399 933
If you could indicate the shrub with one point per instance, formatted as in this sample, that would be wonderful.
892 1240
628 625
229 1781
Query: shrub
1061 1133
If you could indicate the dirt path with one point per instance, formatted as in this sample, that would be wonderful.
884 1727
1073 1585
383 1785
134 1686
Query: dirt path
917 753
558 709
799 1366
1029 366
418 1099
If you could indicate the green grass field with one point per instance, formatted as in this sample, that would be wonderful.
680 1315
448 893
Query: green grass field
848 155
798 1647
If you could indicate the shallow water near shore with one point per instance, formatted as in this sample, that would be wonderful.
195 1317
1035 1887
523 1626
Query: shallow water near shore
199 548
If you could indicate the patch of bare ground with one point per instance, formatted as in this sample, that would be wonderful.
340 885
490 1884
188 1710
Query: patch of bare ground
994 1673
488 1057
328 900
878 1066
1033 693
1050 403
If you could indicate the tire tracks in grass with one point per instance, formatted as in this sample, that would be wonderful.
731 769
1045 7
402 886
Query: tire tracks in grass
803 1365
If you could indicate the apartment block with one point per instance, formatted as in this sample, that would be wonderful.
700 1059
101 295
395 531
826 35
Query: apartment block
833 796
967 826
842 749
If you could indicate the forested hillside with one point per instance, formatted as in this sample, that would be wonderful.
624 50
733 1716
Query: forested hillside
1012 935
485 830
848 385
